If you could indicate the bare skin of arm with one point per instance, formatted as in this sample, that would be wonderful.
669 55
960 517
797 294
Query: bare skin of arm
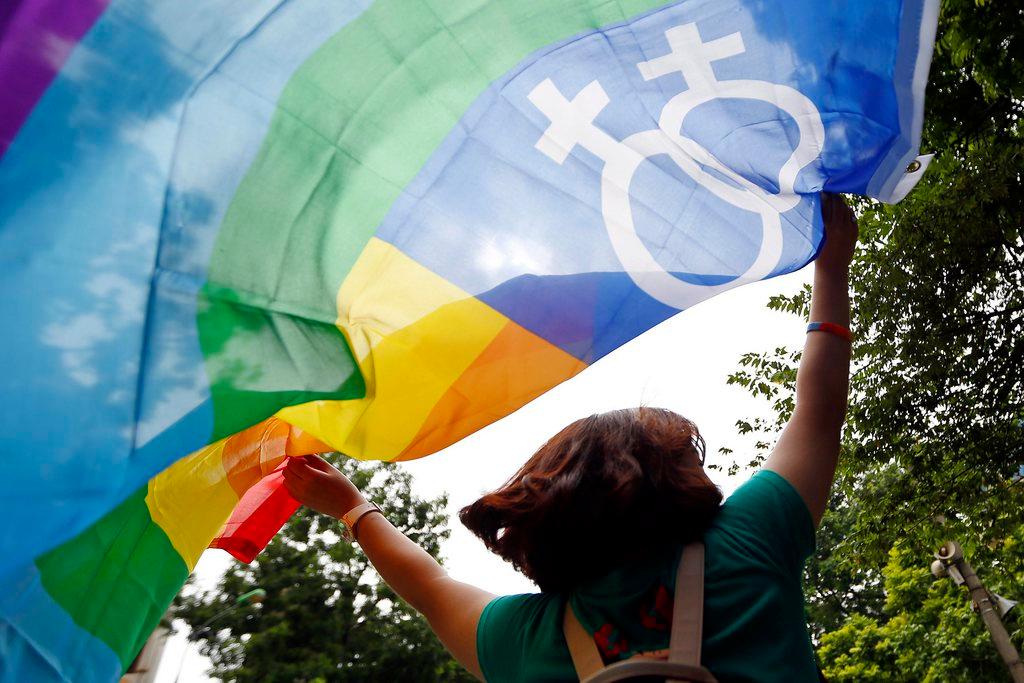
808 449
452 608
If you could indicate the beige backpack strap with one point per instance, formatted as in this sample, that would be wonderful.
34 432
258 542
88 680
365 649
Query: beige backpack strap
687 620
688 610
582 648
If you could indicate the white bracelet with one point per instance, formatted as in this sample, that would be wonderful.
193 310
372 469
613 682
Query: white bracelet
352 517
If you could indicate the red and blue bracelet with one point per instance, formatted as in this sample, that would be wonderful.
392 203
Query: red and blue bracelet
831 328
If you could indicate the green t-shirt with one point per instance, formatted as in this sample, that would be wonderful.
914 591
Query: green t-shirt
754 623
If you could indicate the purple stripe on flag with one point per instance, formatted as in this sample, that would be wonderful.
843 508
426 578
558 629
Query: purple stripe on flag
36 37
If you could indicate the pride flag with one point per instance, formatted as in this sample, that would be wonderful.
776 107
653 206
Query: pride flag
230 233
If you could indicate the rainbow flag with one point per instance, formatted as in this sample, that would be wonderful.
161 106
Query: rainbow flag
230 233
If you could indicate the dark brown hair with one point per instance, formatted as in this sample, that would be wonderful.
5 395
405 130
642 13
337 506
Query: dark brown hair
606 490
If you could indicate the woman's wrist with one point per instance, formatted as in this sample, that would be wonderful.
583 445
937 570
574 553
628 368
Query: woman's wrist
347 501
830 300
832 271
344 497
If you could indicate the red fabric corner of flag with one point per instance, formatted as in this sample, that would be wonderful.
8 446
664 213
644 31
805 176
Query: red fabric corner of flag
260 514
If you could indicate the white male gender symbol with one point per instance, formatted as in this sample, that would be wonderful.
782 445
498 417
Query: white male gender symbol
572 123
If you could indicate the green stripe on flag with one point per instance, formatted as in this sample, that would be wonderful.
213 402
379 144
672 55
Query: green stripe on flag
259 359
117 577
354 125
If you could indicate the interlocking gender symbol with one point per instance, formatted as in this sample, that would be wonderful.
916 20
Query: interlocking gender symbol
572 123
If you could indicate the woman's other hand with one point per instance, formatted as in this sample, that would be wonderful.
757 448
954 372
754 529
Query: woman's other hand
316 483
840 234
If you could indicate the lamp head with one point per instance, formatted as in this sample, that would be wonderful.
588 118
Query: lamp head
1003 605
950 552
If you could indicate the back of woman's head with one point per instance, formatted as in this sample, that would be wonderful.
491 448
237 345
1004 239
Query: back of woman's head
606 490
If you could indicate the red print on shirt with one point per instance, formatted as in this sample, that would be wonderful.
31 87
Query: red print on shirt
610 642
656 612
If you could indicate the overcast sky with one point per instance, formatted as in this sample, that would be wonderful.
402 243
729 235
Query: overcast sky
682 365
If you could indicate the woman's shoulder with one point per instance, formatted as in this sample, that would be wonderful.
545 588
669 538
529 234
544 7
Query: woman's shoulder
520 613
769 519
534 604
512 625
766 492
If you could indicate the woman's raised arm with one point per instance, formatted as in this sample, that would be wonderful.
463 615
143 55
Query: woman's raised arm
451 607
808 449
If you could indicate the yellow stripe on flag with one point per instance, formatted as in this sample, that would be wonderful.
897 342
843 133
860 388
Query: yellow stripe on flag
413 334
192 498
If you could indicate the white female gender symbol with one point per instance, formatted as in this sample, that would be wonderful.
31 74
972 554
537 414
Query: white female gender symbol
572 123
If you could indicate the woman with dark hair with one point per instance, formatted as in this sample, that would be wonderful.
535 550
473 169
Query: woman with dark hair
598 518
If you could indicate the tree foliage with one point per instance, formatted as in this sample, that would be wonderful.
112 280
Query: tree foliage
936 422
927 631
327 617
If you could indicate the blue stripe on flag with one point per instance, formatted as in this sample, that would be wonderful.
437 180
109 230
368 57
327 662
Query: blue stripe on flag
506 211
917 40
40 643
99 164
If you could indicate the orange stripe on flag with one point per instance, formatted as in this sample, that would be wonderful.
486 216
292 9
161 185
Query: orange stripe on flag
515 368
253 453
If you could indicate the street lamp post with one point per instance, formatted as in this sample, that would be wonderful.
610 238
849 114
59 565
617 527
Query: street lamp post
950 562
253 597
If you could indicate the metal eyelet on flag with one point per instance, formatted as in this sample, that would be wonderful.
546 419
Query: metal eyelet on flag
913 173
